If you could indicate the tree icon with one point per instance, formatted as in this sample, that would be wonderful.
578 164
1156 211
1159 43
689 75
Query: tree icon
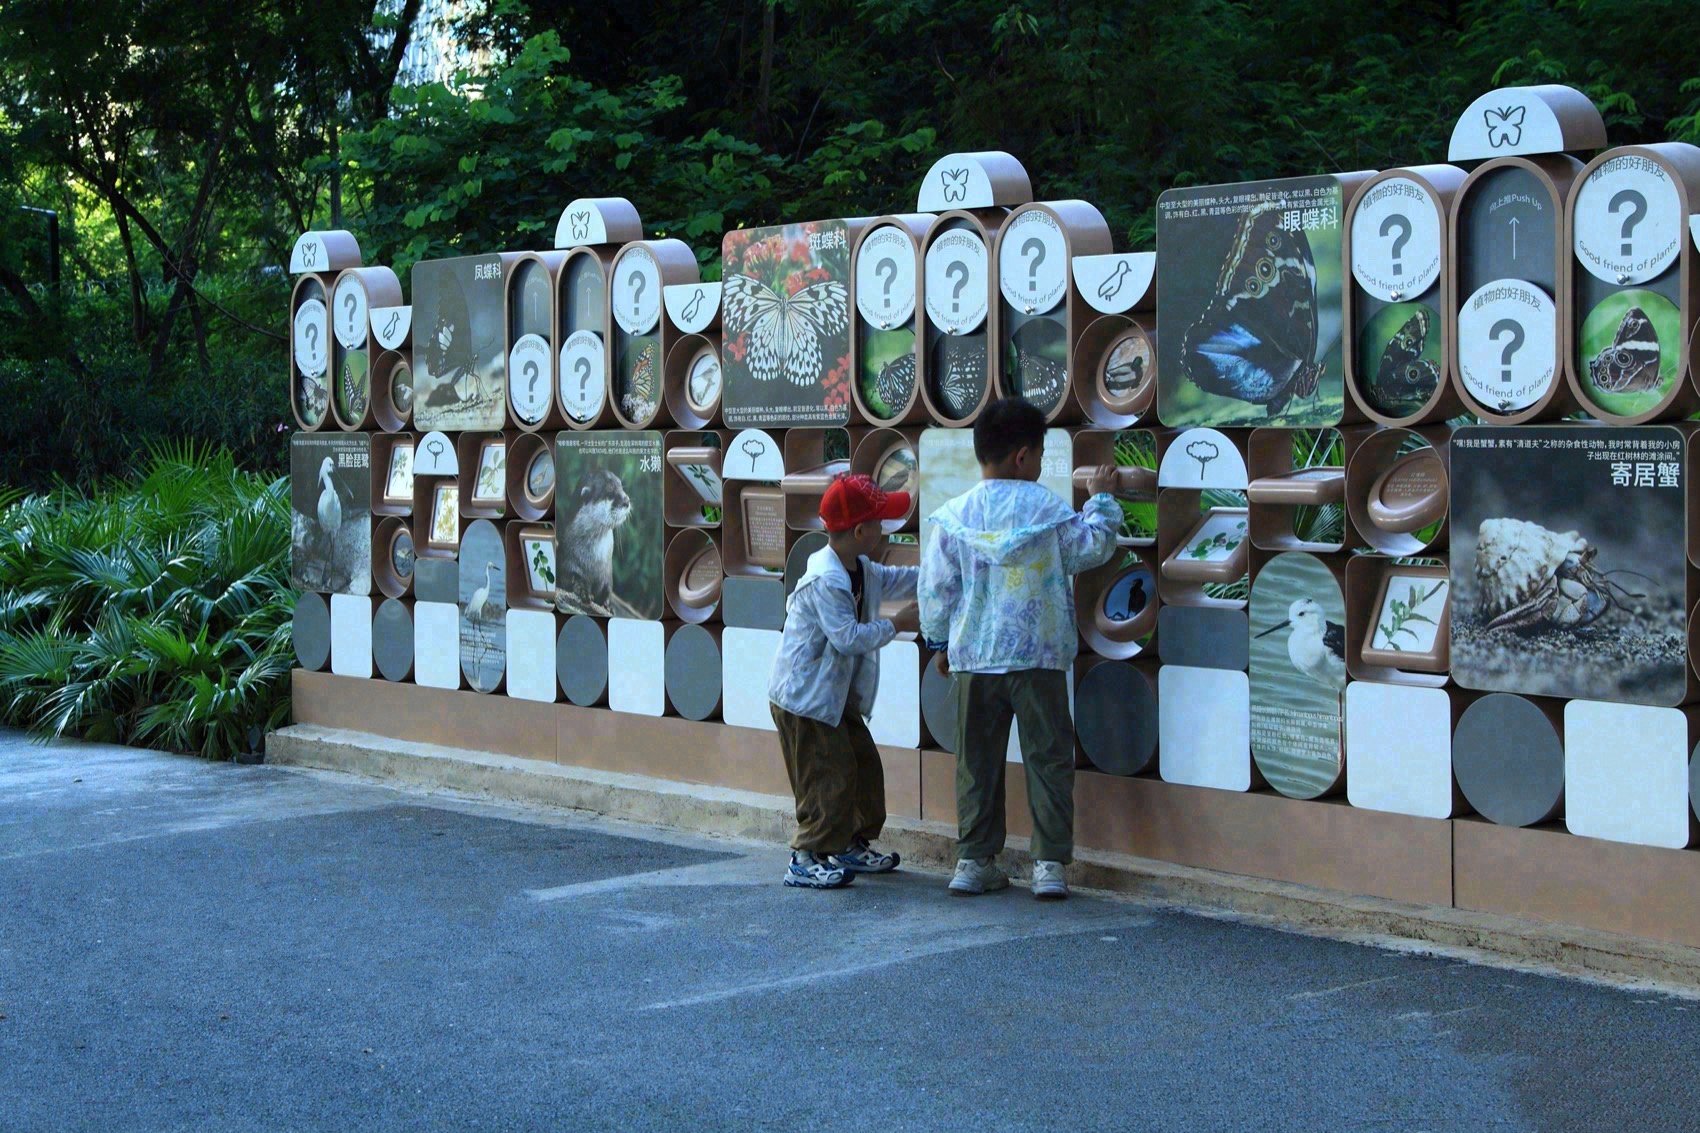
1203 452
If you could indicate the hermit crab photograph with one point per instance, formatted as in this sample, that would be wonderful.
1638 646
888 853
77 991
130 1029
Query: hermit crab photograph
1571 583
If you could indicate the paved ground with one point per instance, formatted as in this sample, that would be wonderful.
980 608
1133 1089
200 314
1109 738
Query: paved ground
195 946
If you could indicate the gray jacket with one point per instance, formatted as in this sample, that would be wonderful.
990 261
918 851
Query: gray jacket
829 656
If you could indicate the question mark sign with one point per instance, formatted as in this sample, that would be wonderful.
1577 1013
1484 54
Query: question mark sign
1035 248
1513 344
1403 225
312 335
1637 210
959 272
349 303
531 372
637 282
581 367
886 269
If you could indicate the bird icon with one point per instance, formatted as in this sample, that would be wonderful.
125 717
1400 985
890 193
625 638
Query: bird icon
1113 285
1317 646
690 311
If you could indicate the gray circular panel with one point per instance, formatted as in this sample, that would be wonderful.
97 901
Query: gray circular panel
938 706
392 639
312 631
1694 780
693 672
1115 716
581 660
1509 760
798 560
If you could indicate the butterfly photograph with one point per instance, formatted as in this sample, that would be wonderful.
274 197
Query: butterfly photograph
956 377
1399 358
785 310
1035 364
1249 327
887 378
1621 355
459 343
639 380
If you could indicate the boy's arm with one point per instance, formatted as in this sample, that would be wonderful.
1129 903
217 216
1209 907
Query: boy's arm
844 632
897 583
1089 539
938 589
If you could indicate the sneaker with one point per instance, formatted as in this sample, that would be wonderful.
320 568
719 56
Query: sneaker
807 871
977 875
1048 881
863 858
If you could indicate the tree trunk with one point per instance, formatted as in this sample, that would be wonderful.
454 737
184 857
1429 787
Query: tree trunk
763 126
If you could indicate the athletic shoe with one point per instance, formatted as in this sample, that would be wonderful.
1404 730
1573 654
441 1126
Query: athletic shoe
807 871
975 876
863 858
1048 881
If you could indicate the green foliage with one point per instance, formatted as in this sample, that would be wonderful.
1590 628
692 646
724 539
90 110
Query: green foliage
155 611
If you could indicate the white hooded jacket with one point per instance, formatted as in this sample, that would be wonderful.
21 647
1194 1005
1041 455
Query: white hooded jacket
828 659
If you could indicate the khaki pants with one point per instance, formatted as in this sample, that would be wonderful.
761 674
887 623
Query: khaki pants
837 778
985 704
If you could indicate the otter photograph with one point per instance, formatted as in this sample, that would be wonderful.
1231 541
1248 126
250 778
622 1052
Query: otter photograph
608 525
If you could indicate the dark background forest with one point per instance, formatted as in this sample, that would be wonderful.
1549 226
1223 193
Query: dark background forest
184 144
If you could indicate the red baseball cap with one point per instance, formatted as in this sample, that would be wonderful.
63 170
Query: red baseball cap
857 499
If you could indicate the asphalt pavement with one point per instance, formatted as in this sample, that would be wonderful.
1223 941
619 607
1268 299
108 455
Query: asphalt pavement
186 945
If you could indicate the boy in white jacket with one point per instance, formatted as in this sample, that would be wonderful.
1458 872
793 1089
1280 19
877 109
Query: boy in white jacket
823 684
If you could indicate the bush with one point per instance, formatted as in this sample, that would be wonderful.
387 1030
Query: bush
63 427
152 612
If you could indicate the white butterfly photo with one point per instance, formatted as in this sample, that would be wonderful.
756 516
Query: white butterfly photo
785 330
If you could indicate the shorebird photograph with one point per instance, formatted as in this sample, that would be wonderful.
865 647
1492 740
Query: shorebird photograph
1316 646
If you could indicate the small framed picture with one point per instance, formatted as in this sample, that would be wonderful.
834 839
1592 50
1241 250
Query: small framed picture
539 550
1217 550
1410 628
445 515
491 487
540 478
398 488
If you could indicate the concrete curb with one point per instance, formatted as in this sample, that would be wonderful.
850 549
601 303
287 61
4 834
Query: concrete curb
1481 937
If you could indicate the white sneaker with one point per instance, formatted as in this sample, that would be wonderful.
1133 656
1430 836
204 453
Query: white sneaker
1048 881
977 875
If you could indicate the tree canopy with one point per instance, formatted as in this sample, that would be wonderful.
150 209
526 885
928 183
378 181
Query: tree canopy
184 144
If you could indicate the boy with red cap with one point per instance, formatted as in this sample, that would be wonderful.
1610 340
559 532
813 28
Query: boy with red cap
823 684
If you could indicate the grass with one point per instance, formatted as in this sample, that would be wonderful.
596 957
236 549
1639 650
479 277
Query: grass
153 611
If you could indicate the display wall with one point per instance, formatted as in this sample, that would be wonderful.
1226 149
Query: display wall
1402 458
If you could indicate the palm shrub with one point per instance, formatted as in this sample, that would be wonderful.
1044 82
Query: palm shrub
153 611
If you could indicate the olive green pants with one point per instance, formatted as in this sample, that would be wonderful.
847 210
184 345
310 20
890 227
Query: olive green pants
985 704
837 778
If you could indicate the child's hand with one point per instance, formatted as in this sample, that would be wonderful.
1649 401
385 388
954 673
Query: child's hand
1103 480
907 620
941 661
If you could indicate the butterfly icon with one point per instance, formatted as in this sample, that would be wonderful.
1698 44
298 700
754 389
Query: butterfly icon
1505 126
955 184
786 330
581 224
